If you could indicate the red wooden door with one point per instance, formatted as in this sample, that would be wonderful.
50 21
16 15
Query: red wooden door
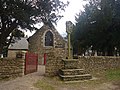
31 63
44 58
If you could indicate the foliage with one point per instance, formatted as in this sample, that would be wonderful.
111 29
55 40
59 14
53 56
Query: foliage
13 37
98 27
15 14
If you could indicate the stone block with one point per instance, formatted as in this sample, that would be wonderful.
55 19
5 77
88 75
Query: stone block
11 68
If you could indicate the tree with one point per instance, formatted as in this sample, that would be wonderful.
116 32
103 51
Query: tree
98 26
14 37
15 14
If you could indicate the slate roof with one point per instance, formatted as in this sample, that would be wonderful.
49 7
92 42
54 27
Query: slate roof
19 45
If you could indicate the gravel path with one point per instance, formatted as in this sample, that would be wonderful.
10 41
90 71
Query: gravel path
24 83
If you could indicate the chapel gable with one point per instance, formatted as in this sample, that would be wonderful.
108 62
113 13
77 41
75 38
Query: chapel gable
45 40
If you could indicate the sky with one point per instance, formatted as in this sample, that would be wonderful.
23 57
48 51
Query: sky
74 7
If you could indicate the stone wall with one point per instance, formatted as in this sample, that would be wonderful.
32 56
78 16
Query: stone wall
10 68
54 62
89 64
98 64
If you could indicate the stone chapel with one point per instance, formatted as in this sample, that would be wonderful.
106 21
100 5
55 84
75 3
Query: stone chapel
46 39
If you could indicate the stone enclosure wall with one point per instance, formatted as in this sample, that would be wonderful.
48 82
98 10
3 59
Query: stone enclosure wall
10 68
54 62
98 64
90 64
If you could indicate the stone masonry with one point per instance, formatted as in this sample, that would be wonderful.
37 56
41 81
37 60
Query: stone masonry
37 43
71 72
10 68
89 64
99 63
54 62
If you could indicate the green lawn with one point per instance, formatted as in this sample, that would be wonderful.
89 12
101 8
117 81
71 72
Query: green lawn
113 74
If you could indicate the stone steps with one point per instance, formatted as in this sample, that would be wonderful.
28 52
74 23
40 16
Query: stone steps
75 77
72 71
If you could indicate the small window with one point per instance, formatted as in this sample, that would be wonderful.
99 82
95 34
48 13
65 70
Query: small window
48 39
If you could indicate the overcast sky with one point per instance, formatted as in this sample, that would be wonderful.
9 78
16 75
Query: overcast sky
69 15
73 8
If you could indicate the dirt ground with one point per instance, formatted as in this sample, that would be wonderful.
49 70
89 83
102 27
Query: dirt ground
24 83
27 83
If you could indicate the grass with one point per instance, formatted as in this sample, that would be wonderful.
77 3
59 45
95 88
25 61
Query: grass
44 85
113 74
54 83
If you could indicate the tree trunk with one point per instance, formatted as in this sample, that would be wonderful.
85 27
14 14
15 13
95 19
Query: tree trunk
2 40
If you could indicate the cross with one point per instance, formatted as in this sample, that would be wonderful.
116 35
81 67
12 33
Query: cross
69 28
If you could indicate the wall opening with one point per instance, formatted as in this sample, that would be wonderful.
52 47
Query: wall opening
48 39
